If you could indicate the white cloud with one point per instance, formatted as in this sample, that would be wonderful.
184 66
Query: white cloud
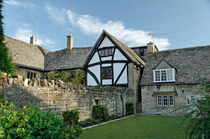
55 14
12 2
93 26
27 5
25 34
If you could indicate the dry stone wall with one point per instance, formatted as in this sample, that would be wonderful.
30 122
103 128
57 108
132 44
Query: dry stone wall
60 96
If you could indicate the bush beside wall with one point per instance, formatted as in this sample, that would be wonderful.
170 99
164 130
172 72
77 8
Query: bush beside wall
71 117
30 122
129 108
100 112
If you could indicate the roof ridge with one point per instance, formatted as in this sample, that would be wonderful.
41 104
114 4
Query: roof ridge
123 47
193 47
26 42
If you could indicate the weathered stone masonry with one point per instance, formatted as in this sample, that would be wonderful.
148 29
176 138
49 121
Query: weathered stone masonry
61 96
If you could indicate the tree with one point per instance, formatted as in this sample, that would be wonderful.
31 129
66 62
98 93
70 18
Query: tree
197 117
6 64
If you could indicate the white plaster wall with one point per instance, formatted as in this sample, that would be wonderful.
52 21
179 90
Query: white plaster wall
106 58
95 58
117 68
106 65
90 80
118 55
106 82
123 79
96 71
106 42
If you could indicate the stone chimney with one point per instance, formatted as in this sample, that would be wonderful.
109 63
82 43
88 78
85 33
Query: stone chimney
151 47
33 40
70 39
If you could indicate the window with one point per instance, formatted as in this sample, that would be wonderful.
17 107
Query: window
106 52
171 101
159 101
165 100
31 75
164 75
106 72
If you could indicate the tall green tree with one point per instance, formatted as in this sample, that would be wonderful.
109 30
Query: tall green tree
6 64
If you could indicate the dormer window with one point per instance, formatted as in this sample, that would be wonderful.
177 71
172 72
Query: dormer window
164 75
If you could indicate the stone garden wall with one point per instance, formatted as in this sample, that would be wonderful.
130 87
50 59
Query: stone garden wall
60 96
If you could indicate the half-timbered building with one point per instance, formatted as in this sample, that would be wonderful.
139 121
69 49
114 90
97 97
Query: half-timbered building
156 77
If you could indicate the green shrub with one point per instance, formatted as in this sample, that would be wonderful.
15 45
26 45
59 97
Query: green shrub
71 117
76 76
129 108
30 122
100 112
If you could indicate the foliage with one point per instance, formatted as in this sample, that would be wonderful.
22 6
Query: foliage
138 127
71 117
79 77
3 77
198 115
30 122
76 77
89 122
100 112
6 64
129 108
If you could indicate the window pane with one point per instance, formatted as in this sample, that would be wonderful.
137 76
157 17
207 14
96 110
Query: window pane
171 100
163 75
28 75
159 101
165 101
157 75
169 75
106 72
106 52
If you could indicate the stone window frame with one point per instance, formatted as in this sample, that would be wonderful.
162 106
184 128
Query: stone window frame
164 75
161 103
31 75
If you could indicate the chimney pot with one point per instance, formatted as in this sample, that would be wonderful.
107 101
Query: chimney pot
33 40
70 39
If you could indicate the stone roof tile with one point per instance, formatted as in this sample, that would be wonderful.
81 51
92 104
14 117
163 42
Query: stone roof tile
192 65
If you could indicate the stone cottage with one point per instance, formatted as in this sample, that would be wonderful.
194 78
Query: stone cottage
158 78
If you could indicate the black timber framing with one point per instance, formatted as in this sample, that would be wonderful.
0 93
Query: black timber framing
107 62
123 69
94 76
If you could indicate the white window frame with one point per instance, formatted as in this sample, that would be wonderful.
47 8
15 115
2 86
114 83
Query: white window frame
161 104
172 70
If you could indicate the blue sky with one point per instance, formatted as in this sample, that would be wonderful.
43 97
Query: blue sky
170 24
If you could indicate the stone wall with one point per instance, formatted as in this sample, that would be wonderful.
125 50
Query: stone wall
114 98
61 96
182 96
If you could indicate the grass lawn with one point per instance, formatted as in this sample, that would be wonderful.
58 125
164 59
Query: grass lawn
138 127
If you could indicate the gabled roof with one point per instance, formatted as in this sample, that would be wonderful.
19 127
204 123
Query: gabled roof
25 54
125 49
128 52
192 65
67 59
